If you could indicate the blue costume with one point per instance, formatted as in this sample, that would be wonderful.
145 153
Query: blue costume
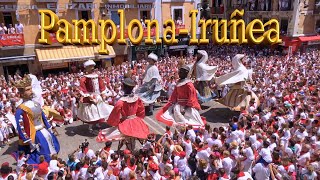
35 136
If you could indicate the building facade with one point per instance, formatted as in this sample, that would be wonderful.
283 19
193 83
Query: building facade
297 18
19 47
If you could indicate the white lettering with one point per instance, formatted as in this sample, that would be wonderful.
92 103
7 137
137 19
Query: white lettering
51 6
90 6
82 6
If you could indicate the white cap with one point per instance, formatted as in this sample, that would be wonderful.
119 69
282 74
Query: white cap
153 56
89 63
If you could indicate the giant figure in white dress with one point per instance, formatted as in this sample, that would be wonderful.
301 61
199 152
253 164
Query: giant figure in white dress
151 86
92 108
240 93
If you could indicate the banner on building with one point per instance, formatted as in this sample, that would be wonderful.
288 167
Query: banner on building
47 66
11 40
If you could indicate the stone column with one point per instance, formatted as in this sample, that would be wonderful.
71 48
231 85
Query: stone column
293 30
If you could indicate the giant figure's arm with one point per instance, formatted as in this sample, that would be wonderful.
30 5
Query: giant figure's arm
20 126
45 121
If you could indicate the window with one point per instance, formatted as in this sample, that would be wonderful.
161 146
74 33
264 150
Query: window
318 26
115 17
177 15
317 7
259 5
86 15
145 14
8 19
284 26
285 5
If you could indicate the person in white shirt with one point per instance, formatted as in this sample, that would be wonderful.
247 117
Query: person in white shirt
21 160
227 163
99 172
214 140
3 29
265 153
19 28
262 171
273 144
190 132
85 151
54 165
153 171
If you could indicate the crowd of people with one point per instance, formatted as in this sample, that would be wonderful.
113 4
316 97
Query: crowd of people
277 139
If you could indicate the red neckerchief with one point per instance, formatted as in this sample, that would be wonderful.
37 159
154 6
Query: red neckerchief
132 167
86 150
21 157
76 171
106 149
225 176
166 176
242 129
241 174
203 148
287 167
187 141
85 166
168 132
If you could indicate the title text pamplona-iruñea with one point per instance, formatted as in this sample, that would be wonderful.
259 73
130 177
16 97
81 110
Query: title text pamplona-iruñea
86 32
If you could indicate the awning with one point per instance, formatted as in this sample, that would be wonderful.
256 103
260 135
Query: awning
309 38
69 53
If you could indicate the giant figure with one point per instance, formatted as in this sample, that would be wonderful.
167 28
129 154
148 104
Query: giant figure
203 74
183 106
240 93
92 108
126 119
35 133
151 86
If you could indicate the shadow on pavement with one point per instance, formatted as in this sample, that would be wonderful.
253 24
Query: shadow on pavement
83 130
219 115
11 148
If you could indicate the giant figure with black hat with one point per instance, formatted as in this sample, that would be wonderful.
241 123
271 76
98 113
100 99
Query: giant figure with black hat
92 108
126 119
151 86
183 106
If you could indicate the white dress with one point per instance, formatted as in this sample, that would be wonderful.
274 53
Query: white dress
151 86
90 112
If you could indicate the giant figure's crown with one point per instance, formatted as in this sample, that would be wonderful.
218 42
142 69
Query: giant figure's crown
24 82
